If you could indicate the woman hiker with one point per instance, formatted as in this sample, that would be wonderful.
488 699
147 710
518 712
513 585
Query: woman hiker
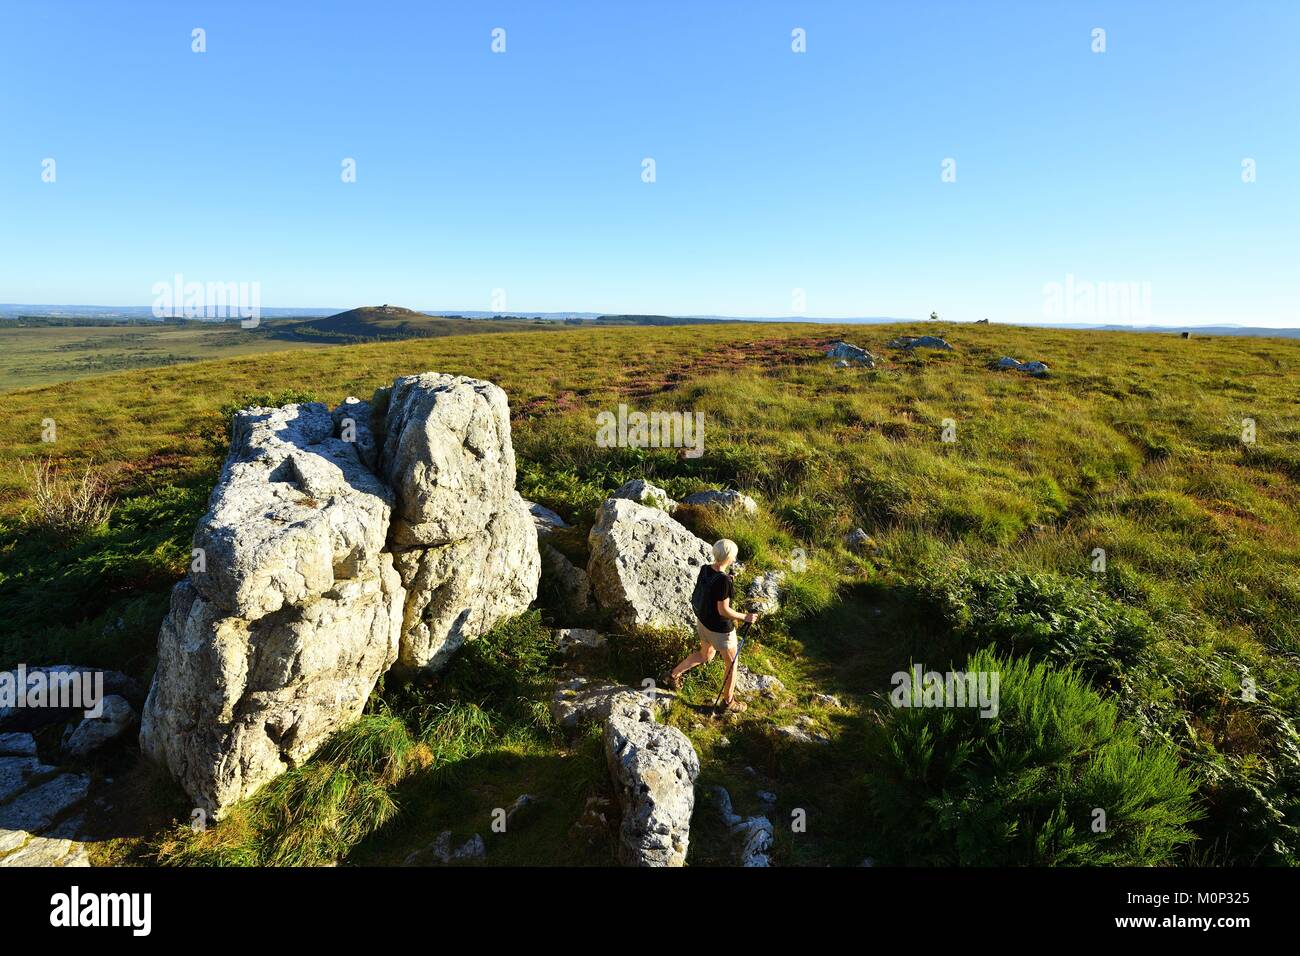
716 625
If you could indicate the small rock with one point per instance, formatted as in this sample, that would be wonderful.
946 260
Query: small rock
828 699
521 810
17 745
544 518
920 342
94 732
574 640
747 682
644 493
766 796
859 542
472 849
850 355
726 500
800 736
764 592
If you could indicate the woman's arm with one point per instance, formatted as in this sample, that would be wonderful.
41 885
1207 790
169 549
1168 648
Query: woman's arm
725 611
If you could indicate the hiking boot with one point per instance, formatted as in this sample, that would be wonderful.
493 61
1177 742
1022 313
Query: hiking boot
733 707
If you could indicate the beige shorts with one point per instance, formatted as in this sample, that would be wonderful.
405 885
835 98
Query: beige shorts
724 640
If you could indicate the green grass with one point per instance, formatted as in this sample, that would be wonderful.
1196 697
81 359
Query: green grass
1132 446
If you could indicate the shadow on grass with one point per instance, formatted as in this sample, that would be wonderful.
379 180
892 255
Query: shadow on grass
468 796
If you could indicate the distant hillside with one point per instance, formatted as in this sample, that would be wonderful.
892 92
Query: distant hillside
382 323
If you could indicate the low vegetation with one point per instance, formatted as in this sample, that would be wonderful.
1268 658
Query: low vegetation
1159 683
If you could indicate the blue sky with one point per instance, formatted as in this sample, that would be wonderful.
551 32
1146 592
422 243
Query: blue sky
775 170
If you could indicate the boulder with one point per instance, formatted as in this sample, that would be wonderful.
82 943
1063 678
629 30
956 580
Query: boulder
643 565
653 769
278 640
1036 369
464 541
850 354
1007 362
920 342
293 509
235 703
578 701
749 683
727 500
644 493
92 733
17 745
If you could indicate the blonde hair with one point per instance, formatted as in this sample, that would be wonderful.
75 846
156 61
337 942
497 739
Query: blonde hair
724 549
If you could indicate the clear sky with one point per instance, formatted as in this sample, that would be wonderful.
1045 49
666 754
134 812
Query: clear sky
774 170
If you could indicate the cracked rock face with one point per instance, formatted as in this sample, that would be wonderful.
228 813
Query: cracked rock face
643 565
277 640
334 545
464 541
653 768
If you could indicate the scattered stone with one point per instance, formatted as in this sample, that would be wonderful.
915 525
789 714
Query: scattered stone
36 808
575 640
801 735
643 566
753 837
653 768
764 592
440 851
644 493
578 700
828 699
17 745
766 796
523 809
594 821
544 518
725 500
92 733
859 542
748 683
1036 369
724 741
919 342
850 355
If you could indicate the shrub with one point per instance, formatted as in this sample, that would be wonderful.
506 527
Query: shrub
1044 617
953 788
64 507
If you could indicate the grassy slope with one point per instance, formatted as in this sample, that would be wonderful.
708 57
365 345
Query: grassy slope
1132 445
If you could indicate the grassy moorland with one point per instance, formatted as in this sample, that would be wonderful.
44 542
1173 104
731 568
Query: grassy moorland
1162 690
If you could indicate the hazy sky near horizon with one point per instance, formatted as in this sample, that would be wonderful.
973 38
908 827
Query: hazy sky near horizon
774 170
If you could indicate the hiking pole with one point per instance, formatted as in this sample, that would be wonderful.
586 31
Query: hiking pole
735 662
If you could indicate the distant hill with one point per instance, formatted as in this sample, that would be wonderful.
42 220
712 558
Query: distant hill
382 323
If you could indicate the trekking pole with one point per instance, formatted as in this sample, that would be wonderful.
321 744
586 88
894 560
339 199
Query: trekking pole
735 662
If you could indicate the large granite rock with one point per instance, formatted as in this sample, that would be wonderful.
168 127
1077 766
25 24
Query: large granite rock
724 500
463 539
643 565
278 641
645 493
293 509
653 769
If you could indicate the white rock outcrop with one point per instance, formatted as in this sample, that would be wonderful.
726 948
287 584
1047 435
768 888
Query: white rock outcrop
334 545
463 539
653 768
643 565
